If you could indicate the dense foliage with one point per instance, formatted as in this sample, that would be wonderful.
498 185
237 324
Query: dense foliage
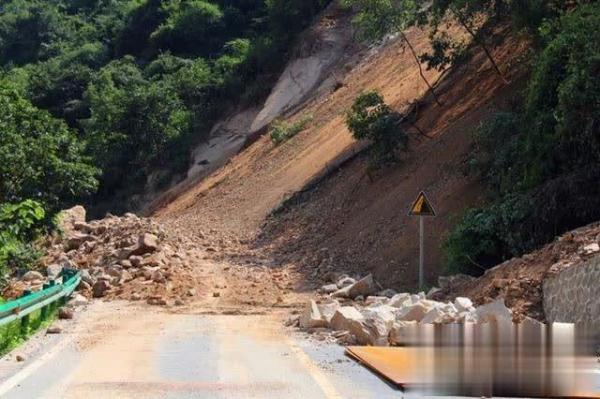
40 157
20 225
370 118
541 162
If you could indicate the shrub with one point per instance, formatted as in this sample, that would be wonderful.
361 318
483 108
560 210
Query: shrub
371 119
282 131
521 222
20 225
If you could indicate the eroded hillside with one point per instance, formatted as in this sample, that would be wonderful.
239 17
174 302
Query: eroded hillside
349 220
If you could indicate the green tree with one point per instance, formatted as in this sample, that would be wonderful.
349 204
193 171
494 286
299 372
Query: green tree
40 157
370 118
133 123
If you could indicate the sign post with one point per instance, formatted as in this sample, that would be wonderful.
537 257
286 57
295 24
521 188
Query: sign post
422 208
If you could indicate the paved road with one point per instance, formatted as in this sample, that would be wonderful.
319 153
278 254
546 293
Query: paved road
115 351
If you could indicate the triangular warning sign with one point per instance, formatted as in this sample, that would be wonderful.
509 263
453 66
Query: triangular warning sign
422 206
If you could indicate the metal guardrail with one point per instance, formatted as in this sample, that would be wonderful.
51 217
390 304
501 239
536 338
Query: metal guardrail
49 296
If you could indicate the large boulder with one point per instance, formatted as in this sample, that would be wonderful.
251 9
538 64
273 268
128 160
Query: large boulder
400 300
493 312
378 322
68 218
345 317
403 333
147 243
363 287
328 309
463 304
312 317
416 311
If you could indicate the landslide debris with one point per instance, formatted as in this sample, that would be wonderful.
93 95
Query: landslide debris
520 280
124 257
359 313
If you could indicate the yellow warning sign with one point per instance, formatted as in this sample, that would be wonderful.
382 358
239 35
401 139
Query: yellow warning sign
422 206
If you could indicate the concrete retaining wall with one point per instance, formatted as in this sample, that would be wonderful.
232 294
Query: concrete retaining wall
573 296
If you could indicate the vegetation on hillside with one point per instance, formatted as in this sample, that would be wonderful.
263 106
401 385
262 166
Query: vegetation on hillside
98 94
370 118
541 160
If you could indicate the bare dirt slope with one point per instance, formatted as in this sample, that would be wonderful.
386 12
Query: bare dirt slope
350 222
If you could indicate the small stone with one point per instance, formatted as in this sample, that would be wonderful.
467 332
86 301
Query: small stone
136 296
83 286
65 313
388 293
178 302
100 288
20 358
136 261
54 330
216 294
157 300
191 292
158 277
78 300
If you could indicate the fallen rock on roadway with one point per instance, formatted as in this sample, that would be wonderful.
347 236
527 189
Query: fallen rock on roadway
124 257
388 319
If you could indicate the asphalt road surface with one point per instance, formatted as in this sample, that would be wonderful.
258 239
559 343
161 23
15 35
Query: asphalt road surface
118 351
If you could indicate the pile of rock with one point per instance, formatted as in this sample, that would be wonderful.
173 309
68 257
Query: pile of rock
358 314
119 257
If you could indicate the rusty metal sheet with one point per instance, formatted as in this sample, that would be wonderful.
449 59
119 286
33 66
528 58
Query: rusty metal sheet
395 364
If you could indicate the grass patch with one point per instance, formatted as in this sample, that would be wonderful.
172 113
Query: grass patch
282 131
17 332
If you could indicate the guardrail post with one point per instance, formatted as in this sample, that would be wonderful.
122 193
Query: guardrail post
44 312
24 325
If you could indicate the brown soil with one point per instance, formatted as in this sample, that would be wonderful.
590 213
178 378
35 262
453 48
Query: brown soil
348 222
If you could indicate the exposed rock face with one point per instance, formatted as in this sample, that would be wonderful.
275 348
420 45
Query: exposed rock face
325 48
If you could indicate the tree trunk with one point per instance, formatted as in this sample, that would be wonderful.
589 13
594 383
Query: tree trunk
487 52
412 50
